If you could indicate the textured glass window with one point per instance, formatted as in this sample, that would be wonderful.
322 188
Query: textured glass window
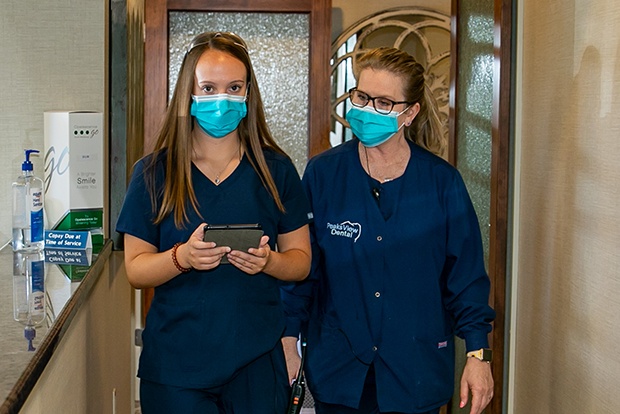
475 103
278 44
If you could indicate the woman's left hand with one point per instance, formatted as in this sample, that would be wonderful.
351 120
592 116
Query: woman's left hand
254 260
477 379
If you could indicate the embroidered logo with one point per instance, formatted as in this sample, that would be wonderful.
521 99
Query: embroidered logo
346 229
442 344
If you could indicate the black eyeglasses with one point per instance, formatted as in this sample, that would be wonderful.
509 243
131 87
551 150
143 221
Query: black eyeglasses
382 105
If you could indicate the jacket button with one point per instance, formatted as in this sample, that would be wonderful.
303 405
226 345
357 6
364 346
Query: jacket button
374 348
379 238
377 294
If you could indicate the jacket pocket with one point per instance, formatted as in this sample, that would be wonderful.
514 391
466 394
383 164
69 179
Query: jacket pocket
433 370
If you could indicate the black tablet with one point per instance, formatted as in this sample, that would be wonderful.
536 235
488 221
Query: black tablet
237 236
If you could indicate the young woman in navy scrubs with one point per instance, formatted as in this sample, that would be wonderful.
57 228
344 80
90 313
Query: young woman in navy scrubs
212 340
397 259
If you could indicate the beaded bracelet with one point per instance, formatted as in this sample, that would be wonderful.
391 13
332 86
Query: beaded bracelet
176 262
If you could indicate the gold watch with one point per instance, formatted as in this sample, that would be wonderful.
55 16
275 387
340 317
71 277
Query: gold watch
483 354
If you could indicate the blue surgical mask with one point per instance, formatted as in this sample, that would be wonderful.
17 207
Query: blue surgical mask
371 127
218 115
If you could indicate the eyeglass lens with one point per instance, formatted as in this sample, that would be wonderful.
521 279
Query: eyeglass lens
382 105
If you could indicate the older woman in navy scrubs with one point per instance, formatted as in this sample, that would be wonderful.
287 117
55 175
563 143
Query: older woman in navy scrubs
397 259
212 340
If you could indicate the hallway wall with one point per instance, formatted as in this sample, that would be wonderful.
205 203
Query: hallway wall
566 291
53 58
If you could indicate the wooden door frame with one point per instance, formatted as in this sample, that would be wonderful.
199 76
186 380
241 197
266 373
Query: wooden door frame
501 124
500 188
156 58
156 93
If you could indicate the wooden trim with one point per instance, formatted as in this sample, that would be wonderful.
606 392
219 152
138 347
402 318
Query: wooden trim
500 171
454 70
135 90
155 69
276 6
319 85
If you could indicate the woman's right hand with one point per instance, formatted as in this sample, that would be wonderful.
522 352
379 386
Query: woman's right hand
147 267
199 254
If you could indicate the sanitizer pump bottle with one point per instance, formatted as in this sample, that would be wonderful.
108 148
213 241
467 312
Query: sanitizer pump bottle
28 209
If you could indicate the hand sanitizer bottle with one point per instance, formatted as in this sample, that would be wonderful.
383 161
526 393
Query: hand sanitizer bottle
28 234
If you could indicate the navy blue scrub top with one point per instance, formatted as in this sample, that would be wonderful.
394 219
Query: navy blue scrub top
203 326
393 278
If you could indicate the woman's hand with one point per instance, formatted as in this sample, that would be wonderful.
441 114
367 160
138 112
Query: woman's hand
290 262
293 360
199 254
477 379
254 260
147 267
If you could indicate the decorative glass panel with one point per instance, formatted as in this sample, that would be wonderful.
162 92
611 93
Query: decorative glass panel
475 103
421 32
475 100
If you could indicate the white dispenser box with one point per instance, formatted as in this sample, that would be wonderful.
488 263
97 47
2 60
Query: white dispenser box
74 175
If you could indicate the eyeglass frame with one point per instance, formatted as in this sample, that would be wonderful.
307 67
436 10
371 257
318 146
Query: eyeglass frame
372 99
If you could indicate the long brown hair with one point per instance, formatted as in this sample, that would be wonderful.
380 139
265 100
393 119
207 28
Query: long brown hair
175 136
426 129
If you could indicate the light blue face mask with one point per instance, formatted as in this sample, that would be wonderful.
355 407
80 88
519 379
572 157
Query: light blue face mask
218 115
371 127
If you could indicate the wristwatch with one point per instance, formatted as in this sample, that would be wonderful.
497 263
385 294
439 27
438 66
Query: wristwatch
483 354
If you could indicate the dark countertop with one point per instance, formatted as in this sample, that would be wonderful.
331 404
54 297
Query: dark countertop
66 287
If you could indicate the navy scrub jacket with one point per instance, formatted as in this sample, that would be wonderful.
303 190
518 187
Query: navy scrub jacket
397 270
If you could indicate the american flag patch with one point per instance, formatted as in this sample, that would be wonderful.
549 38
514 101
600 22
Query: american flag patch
442 344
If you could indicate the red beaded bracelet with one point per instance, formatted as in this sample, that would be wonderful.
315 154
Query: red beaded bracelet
176 262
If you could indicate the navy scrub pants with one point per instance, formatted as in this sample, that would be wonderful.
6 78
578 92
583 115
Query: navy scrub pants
259 388
368 403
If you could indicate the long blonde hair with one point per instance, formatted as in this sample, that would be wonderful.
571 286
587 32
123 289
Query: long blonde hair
175 137
426 129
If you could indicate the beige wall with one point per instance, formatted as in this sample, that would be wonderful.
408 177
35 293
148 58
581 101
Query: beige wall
52 56
91 370
567 248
